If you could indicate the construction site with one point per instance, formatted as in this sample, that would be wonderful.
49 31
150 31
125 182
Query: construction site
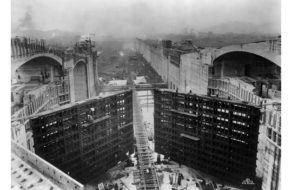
85 139
149 115
215 136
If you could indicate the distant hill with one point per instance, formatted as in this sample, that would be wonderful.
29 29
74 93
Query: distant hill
245 28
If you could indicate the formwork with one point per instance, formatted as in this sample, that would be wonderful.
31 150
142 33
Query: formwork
216 136
88 138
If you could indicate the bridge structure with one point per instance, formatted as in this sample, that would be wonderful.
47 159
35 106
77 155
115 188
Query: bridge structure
31 59
259 62
270 50
43 77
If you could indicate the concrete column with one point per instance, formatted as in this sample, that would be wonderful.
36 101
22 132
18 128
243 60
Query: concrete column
25 112
249 97
222 69
230 90
179 76
29 109
225 86
167 70
90 77
17 48
38 46
25 49
39 101
20 49
33 47
12 49
239 95
257 100
29 47
88 72
221 84
96 79
71 83
34 106
51 73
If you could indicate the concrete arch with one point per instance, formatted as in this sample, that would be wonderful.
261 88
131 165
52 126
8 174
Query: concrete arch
244 63
218 56
81 60
22 69
80 80
18 62
261 49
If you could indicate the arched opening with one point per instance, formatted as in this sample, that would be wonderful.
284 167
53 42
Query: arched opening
238 64
40 70
80 81
30 78
260 75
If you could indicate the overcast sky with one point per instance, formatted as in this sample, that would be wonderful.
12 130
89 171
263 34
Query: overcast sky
139 16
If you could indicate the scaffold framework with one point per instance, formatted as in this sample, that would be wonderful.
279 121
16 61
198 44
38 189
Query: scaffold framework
145 177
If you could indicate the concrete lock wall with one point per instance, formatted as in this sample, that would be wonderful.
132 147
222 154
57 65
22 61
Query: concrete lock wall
90 77
164 72
194 74
56 175
173 79
191 74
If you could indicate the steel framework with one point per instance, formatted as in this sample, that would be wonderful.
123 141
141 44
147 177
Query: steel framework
87 138
213 135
